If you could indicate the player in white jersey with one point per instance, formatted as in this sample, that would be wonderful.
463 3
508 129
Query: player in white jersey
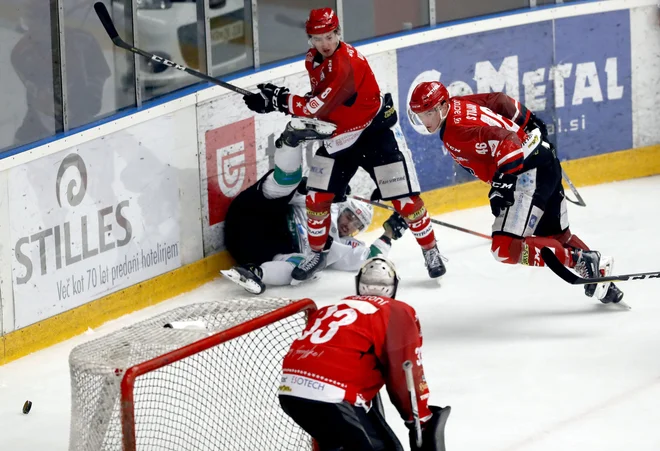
266 227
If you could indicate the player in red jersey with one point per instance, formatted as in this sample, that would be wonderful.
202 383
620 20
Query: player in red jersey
332 374
345 93
502 143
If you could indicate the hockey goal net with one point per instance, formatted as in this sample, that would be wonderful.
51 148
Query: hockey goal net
209 382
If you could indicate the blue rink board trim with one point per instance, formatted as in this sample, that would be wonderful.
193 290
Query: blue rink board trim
590 113
204 85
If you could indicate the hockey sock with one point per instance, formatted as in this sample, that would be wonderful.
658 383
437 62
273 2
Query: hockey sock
287 174
414 212
527 251
568 239
288 165
318 218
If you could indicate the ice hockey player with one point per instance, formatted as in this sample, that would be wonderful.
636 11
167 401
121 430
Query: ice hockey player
344 92
332 374
265 225
499 141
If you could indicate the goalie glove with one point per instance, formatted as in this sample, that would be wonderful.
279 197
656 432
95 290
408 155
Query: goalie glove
433 431
501 193
395 225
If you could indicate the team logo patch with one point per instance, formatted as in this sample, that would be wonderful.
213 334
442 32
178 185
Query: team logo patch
231 165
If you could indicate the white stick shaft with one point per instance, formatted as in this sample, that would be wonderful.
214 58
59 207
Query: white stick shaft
410 382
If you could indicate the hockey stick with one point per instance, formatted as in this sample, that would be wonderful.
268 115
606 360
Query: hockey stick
569 276
434 221
104 17
574 190
410 382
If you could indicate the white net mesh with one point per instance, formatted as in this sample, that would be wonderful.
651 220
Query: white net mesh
223 398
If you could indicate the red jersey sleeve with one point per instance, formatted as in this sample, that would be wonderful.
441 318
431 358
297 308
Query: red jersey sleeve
503 105
403 341
338 86
507 153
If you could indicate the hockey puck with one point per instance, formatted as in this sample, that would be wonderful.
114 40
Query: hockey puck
27 406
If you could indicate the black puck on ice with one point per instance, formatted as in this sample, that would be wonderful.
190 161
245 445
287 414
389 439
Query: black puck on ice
27 406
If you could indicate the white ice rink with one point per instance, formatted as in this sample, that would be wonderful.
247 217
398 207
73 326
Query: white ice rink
526 361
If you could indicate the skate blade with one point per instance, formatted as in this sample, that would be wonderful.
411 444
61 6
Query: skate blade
295 282
606 268
249 285
622 305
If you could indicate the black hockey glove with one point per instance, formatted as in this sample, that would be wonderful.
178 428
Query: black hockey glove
258 103
277 96
501 192
396 225
535 122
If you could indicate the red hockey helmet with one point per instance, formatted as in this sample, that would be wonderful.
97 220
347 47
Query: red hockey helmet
427 95
321 21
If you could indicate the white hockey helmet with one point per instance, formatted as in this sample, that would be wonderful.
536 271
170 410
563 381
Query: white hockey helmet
377 277
359 213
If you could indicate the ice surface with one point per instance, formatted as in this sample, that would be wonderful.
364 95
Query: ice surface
526 361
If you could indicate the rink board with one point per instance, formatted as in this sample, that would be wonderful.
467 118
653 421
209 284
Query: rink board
174 168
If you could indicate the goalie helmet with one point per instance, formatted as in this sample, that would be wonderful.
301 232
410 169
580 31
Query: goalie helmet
377 277
321 21
359 213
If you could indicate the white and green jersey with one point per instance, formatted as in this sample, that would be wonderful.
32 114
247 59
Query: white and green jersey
347 253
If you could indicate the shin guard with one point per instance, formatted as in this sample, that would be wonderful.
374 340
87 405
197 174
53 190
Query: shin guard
527 251
414 212
318 218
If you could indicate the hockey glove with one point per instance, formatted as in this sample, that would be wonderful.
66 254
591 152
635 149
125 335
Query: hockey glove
277 96
258 103
395 225
433 431
501 193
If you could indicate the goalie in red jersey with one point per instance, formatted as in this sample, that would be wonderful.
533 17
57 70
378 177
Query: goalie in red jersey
346 94
499 141
332 374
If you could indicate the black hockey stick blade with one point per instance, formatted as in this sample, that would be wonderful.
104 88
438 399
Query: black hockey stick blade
106 20
580 202
569 276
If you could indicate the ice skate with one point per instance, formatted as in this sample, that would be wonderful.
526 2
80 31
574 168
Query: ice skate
613 296
587 264
247 276
313 263
434 264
